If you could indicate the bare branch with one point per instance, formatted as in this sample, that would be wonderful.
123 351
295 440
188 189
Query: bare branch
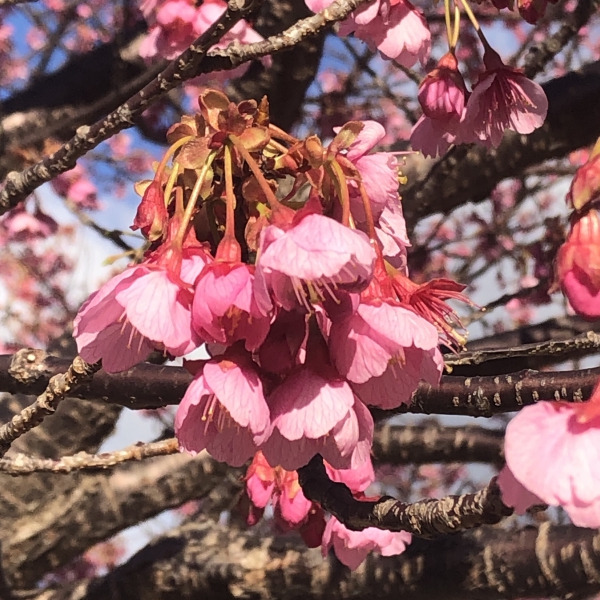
58 387
432 442
426 518
23 464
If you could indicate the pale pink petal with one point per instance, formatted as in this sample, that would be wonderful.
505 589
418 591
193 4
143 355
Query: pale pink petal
514 494
308 405
369 136
239 389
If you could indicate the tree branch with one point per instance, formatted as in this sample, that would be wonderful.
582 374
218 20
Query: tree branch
19 185
100 506
205 560
24 464
58 387
153 386
432 442
427 518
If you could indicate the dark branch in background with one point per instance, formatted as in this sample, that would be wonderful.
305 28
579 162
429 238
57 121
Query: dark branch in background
99 506
205 560
154 386
58 387
426 518
19 185
543 52
434 443
469 174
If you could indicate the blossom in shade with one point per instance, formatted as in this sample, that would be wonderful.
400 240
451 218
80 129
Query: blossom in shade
145 307
224 308
22 225
578 266
224 410
309 262
352 547
443 96
281 487
503 98
394 27
317 412
553 451
385 349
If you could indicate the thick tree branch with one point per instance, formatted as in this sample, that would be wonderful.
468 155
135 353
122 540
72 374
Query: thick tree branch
469 174
426 518
154 386
205 560
100 506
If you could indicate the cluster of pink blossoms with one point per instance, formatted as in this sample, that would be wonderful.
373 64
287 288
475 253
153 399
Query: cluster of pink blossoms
503 98
278 254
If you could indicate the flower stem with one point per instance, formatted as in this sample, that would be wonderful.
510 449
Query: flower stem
229 195
191 205
341 185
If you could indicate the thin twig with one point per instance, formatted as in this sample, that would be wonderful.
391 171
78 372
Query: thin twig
588 340
426 518
23 464
46 403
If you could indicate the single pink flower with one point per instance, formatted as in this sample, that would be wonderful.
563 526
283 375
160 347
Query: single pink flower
309 262
264 483
578 266
352 547
317 413
224 308
386 349
442 95
394 27
147 306
553 450
503 98
224 410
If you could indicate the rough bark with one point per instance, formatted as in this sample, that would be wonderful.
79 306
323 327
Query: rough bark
97 507
204 560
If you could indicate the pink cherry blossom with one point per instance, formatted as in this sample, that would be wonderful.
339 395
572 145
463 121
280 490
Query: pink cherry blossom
514 494
503 98
442 95
144 307
352 547
224 410
578 266
394 27
76 186
310 261
264 483
357 480
224 308
317 413
385 349
553 450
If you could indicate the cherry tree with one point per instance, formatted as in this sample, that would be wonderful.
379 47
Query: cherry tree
352 228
